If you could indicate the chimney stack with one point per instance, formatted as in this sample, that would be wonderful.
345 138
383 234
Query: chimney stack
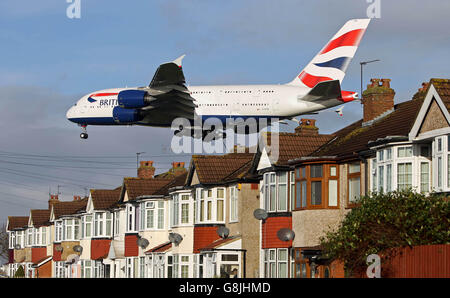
178 168
307 127
76 198
377 100
146 169
52 201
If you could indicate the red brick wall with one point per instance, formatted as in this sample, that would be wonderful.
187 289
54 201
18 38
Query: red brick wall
131 247
38 253
56 254
11 256
204 236
269 232
45 271
99 248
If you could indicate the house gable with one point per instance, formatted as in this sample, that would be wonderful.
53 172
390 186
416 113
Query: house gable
432 117
264 161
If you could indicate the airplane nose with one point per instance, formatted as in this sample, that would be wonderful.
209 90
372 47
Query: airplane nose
69 114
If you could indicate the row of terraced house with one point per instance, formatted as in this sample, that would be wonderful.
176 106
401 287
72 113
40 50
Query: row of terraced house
200 221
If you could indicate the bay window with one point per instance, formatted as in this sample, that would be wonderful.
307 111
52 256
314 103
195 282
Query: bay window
354 182
316 186
404 151
333 187
276 189
374 174
71 229
380 178
59 231
131 224
424 177
276 262
149 215
87 226
404 175
212 205
233 204
292 189
160 215
102 224
12 240
388 177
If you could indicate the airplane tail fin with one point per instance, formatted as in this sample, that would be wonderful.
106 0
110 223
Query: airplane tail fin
332 61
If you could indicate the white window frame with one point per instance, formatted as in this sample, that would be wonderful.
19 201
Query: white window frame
234 204
131 218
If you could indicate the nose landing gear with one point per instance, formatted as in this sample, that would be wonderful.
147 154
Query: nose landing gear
84 134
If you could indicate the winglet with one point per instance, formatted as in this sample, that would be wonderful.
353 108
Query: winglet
178 60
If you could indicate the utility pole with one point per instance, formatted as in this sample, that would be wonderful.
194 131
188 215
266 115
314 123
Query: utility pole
137 162
364 63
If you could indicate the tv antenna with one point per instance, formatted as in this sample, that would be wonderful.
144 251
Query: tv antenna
364 63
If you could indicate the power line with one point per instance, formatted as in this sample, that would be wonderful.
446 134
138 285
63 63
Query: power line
57 179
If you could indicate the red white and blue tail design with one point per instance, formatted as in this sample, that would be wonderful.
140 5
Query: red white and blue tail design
332 61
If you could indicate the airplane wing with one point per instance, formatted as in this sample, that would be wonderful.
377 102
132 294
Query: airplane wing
167 74
169 92
323 91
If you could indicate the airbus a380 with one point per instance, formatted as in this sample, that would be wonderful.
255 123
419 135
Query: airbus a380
167 97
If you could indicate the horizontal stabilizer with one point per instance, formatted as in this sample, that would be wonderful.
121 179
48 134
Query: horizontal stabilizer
324 91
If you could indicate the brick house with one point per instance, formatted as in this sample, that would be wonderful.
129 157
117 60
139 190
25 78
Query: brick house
17 252
66 235
224 195
277 190
146 205
394 146
38 236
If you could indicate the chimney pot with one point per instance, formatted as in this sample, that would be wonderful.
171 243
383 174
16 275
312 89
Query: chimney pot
307 127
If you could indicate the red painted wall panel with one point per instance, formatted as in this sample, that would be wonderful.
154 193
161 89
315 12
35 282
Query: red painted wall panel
56 254
38 253
45 271
131 247
11 256
204 236
269 232
99 248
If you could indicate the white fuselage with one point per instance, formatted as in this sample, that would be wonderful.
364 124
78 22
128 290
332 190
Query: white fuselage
225 101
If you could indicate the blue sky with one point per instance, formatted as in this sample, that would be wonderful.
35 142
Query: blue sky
48 61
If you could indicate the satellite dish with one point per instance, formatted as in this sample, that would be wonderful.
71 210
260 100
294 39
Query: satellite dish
59 248
260 214
72 259
175 238
142 243
285 234
223 232
17 246
78 248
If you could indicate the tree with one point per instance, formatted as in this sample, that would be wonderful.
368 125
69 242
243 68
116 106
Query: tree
4 244
384 221
20 272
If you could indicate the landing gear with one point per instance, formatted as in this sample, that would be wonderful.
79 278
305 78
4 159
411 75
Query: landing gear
84 134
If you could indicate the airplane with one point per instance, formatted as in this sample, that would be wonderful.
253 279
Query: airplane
166 98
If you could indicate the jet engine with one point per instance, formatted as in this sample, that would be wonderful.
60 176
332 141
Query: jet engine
126 116
130 99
